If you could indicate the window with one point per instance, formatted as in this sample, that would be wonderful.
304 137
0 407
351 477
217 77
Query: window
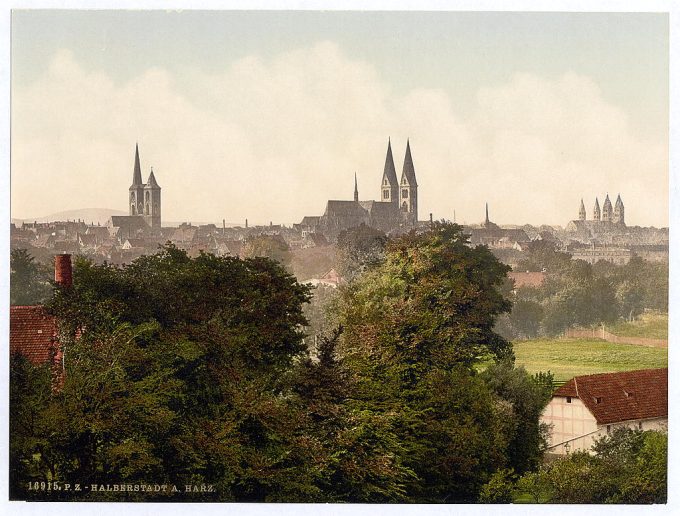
568 399
404 194
386 194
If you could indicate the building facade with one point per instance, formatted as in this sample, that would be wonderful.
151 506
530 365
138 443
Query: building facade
587 408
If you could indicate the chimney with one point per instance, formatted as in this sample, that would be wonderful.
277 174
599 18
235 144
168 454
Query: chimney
63 271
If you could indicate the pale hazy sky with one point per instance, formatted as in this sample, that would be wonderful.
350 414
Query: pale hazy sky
265 115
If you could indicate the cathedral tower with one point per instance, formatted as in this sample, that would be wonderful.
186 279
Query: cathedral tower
582 211
145 199
596 210
152 202
137 188
356 189
390 185
607 212
619 212
408 188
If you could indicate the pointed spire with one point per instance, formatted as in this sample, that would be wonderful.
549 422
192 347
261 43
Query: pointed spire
137 175
390 172
152 180
356 188
486 218
409 171
619 202
582 211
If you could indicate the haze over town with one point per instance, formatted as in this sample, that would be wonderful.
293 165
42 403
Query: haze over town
267 115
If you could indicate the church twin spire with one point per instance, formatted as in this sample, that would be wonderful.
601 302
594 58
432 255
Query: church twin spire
145 198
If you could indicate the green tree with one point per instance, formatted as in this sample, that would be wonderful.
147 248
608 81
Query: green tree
527 397
359 249
415 325
29 446
500 487
29 281
177 370
628 466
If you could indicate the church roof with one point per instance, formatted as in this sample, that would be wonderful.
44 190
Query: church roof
344 208
390 172
137 176
619 202
409 171
379 208
132 222
607 203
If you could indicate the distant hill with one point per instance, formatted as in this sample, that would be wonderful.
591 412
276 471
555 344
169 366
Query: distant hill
87 215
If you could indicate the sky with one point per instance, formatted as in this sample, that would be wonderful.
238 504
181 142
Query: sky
266 115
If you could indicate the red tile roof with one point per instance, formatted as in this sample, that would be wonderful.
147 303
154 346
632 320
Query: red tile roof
527 279
626 396
32 333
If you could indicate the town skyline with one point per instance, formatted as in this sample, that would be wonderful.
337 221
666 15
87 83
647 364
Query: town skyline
279 124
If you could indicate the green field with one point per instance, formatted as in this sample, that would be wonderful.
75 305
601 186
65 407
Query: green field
650 325
567 358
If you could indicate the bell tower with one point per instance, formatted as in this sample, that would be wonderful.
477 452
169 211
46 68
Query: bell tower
152 202
408 188
389 187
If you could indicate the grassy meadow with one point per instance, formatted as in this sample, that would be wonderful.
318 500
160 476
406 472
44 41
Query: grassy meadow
650 325
567 358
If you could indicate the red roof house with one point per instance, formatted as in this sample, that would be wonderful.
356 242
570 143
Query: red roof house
32 333
588 407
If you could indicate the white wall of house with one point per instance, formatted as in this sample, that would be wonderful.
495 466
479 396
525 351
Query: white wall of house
574 427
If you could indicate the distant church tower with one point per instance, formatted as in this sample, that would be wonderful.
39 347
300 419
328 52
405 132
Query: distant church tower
607 212
596 210
145 199
152 202
390 185
408 194
356 189
582 211
619 212
137 188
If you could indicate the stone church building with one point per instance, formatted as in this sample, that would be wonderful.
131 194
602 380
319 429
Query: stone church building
397 209
144 205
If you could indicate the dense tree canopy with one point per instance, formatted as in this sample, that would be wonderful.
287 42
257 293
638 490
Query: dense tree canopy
359 249
629 466
184 370
576 293
414 327
29 281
